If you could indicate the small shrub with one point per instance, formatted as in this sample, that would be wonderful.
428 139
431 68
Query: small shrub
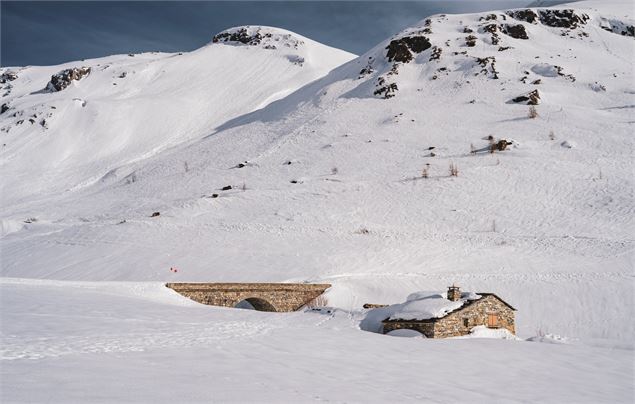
424 172
533 112
454 170
320 301
334 171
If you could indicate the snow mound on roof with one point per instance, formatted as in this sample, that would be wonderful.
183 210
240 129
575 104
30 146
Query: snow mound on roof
426 305
421 305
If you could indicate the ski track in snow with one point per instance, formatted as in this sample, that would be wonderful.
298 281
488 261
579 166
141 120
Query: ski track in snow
198 335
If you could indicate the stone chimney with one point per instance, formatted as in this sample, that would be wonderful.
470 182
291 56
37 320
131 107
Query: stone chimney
454 293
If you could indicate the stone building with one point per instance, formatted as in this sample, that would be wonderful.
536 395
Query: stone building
481 309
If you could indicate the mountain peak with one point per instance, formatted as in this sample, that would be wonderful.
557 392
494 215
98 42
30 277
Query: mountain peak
256 35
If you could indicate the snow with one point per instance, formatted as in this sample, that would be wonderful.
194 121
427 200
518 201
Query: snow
482 331
66 341
427 305
85 316
404 333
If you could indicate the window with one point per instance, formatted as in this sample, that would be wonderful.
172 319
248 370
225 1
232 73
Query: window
466 322
492 321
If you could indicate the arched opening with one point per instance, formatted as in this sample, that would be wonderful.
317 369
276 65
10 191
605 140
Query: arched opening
255 303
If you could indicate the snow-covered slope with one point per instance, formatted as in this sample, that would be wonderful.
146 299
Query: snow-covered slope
126 108
327 182
347 181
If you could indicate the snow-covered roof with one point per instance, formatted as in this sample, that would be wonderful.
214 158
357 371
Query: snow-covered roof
426 305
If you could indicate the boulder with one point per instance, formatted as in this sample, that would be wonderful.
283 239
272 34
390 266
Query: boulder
63 79
531 98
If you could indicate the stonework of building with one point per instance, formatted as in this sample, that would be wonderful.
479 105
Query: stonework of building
490 311
261 296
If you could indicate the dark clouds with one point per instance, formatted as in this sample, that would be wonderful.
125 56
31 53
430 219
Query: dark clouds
44 33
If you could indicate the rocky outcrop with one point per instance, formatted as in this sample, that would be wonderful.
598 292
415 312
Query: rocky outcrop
241 35
515 31
63 79
618 27
557 18
531 98
7 77
402 49
267 38
566 18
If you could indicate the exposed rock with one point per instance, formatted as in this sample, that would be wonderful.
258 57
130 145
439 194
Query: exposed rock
565 18
400 50
226 188
618 27
470 40
436 53
527 15
501 145
489 17
7 76
257 36
241 35
4 108
492 29
484 62
368 69
515 31
387 90
373 305
531 98
155 214
63 79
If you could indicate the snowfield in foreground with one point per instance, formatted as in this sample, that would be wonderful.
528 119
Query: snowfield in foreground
126 342
250 160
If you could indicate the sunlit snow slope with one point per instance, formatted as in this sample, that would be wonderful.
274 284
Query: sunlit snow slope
328 185
130 107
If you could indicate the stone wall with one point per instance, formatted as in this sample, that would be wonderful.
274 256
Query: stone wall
476 314
276 296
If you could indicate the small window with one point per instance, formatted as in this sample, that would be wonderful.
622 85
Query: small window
466 322
492 321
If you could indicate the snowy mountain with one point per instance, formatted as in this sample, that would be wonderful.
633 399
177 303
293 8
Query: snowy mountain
62 131
490 150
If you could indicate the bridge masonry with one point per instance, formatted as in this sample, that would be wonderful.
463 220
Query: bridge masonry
263 296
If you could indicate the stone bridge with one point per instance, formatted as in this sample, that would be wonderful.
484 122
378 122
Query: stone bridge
262 296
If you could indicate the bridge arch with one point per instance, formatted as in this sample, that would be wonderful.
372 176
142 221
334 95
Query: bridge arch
256 303
262 296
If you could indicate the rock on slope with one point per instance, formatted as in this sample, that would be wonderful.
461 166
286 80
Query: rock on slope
347 180
70 125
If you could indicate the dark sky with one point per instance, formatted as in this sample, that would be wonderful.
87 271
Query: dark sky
52 32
